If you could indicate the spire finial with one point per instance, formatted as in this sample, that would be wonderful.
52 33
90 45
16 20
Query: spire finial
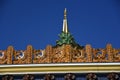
65 26
65 36
65 13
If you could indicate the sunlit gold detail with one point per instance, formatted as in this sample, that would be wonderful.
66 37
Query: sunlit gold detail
61 68
65 26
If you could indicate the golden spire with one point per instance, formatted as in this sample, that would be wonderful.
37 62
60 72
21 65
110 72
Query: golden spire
65 13
65 27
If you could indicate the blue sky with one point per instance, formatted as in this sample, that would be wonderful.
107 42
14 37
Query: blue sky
38 22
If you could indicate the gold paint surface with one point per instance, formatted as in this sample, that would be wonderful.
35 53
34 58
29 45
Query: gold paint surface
61 68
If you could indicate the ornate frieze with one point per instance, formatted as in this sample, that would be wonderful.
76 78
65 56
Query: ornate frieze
61 54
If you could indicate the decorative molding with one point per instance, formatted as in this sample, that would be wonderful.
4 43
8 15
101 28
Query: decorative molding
61 54
60 68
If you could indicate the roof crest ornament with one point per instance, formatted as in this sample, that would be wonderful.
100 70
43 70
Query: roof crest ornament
66 37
